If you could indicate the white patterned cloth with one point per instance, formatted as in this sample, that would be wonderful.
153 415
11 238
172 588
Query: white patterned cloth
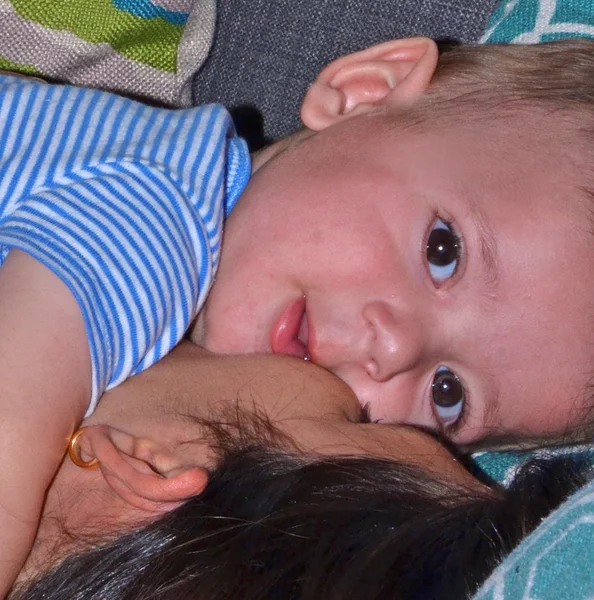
534 21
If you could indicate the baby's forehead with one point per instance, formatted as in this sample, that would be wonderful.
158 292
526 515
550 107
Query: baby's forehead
492 117
527 139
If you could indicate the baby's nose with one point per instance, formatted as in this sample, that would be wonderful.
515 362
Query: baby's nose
395 343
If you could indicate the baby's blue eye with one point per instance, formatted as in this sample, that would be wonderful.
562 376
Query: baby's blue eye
448 396
443 251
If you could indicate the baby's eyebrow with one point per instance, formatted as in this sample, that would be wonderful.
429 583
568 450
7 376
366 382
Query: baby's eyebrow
491 414
489 251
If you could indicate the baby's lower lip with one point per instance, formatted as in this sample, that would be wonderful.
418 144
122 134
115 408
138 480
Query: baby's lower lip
288 328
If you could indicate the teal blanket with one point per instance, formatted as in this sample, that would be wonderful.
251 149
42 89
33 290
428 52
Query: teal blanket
555 561
533 21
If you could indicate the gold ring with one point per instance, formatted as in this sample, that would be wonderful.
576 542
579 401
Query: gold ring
74 452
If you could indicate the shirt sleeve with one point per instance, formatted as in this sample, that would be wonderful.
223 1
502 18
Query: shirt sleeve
125 203
131 248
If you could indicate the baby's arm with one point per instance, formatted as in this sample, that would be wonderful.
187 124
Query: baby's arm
128 217
45 376
80 311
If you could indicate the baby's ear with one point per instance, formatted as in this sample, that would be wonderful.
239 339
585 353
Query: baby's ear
143 473
392 73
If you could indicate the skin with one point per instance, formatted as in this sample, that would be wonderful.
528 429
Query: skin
315 410
48 376
41 401
342 219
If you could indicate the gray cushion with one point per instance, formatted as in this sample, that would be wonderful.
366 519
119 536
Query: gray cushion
267 52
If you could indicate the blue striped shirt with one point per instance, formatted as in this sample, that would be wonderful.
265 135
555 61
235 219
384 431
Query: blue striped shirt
125 203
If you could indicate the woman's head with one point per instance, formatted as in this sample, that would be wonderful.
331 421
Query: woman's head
158 436
274 525
279 513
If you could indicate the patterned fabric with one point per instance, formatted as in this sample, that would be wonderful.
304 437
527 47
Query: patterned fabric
125 203
555 561
147 48
502 466
533 21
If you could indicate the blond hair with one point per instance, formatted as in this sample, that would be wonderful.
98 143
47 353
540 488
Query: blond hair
556 74
475 82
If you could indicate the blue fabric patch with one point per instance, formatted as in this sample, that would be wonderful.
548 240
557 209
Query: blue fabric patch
502 466
147 10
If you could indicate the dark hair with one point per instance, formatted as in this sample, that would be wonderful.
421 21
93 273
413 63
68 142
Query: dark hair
272 525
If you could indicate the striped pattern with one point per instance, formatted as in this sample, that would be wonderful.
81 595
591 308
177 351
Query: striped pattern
125 203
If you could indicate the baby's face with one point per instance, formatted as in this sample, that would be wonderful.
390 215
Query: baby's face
445 276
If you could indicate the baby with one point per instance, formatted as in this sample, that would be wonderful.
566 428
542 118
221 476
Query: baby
432 243
427 238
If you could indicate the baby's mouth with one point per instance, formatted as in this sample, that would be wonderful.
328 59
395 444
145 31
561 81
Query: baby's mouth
289 334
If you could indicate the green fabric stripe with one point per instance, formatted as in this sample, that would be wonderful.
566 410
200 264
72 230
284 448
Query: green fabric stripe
150 41
8 65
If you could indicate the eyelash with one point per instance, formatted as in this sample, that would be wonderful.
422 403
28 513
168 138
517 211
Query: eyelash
442 222
448 430
365 416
